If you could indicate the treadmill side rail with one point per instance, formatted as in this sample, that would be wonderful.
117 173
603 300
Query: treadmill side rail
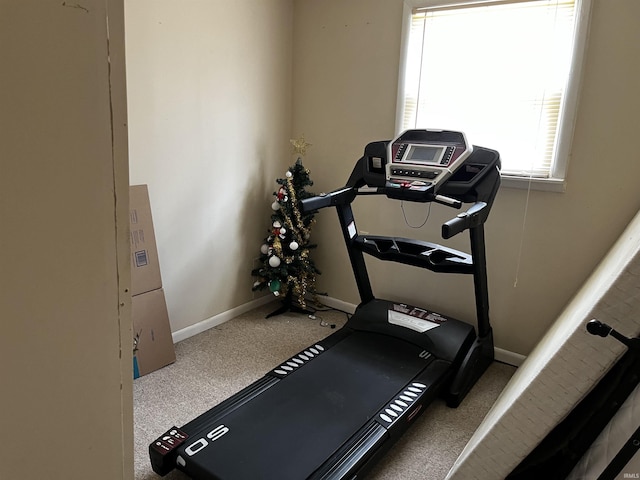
356 453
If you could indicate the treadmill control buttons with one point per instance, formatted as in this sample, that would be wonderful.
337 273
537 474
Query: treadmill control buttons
168 442
158 445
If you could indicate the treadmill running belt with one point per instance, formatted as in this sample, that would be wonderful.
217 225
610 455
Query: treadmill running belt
288 431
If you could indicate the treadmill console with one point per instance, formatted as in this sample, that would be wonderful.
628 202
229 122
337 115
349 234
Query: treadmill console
424 159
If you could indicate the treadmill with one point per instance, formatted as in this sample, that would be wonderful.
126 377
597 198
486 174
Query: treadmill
332 410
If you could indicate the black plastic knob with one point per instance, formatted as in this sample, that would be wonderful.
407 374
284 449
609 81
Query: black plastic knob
596 327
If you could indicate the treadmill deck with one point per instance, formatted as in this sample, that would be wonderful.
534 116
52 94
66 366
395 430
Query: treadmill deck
292 428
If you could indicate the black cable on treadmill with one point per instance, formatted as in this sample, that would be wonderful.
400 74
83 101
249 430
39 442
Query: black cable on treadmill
407 221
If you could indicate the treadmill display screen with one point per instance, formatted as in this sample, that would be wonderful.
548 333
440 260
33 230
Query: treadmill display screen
424 154
423 160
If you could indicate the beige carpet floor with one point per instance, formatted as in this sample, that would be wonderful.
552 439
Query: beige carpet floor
215 364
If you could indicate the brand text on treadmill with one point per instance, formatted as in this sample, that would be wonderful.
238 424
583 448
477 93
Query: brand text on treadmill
201 443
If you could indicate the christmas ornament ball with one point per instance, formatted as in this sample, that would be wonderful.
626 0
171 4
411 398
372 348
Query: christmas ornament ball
274 261
264 249
293 245
289 174
274 285
275 206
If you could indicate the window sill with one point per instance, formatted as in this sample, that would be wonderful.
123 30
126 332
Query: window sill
531 183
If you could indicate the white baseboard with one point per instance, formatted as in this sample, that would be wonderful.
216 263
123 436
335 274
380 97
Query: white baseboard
220 318
510 358
501 355
337 304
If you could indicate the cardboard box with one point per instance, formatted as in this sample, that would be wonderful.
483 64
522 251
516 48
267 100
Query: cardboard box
145 267
153 343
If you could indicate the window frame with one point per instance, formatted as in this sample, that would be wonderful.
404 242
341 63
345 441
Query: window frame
556 181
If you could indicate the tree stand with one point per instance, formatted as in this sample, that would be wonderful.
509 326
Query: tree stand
288 305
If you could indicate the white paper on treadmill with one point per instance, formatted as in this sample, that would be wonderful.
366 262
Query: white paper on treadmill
407 321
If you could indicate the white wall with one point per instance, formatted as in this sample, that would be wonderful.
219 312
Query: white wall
209 87
65 347
345 83
218 88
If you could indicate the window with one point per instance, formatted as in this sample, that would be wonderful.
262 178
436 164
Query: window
503 71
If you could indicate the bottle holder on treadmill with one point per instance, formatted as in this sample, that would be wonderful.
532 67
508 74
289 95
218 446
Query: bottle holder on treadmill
468 172
415 252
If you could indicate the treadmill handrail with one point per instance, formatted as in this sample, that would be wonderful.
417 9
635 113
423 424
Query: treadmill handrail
348 193
341 196
473 217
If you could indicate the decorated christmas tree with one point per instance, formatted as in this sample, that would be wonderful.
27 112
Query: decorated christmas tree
286 267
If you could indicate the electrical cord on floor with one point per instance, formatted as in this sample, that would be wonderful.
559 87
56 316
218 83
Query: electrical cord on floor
322 322
325 308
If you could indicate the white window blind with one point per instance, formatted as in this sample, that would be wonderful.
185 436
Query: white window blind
497 70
